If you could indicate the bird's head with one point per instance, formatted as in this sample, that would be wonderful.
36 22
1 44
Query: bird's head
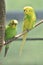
28 10
13 23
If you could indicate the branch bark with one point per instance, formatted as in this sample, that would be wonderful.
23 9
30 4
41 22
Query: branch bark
19 35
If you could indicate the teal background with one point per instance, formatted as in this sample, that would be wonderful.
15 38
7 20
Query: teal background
33 50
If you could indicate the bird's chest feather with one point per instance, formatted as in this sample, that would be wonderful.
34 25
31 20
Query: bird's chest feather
9 33
28 23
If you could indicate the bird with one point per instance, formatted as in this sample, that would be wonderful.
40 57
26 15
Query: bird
28 23
10 31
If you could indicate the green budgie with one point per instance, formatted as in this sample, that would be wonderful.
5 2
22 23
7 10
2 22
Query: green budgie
10 31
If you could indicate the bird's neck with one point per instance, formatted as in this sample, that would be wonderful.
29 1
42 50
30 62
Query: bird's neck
12 27
28 17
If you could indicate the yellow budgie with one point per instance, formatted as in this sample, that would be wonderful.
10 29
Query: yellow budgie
29 21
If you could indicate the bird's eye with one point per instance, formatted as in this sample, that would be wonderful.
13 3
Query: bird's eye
24 10
30 11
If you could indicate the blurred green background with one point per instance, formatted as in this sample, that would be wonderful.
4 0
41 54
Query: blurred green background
33 50
19 4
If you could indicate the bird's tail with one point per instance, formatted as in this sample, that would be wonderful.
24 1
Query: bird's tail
1 47
23 42
6 49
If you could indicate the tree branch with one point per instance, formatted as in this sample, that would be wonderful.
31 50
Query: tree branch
19 35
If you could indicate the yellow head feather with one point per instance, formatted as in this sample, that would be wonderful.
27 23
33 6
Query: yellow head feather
28 10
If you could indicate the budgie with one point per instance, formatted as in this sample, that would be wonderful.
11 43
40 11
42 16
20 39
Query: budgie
10 31
29 21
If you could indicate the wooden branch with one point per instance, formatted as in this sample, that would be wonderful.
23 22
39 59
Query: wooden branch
19 35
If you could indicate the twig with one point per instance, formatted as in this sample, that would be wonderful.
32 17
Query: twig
30 39
19 35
